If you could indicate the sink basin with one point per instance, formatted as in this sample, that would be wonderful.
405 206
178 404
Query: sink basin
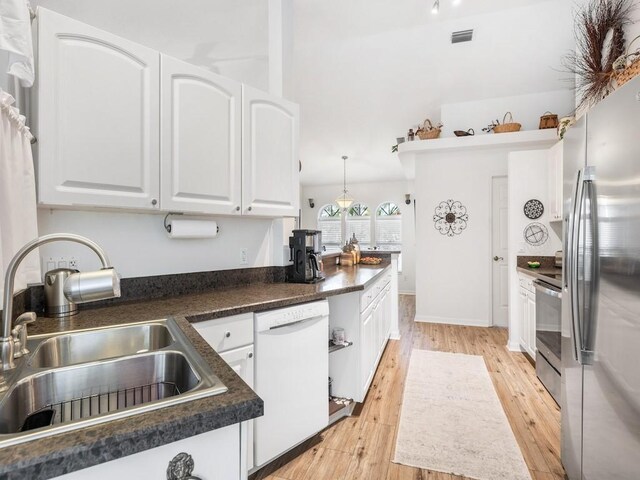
99 344
45 398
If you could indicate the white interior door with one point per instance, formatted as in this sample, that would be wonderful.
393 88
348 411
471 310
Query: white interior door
500 251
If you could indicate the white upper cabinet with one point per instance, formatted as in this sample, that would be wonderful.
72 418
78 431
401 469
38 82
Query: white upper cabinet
555 181
97 126
270 168
200 141
121 126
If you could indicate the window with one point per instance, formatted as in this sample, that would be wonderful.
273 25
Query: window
330 223
388 226
358 222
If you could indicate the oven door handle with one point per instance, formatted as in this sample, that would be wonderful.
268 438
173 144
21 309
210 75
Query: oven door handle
541 287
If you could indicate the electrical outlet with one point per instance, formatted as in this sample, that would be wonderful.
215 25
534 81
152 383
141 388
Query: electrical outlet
73 263
243 256
49 263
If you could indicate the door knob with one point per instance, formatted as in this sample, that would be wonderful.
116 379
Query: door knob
497 258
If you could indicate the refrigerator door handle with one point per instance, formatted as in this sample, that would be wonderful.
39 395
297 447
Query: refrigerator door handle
591 260
574 246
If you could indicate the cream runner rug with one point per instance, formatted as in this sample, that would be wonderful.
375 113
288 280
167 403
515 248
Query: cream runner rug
452 420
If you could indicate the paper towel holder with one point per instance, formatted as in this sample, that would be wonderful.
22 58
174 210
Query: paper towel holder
167 226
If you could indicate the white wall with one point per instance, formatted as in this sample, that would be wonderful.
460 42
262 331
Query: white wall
371 194
453 274
138 245
528 178
229 38
526 110
364 76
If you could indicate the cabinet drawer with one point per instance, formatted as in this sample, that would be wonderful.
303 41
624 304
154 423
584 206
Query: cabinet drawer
226 333
366 298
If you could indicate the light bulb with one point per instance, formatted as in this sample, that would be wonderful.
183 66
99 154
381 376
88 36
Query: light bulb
436 7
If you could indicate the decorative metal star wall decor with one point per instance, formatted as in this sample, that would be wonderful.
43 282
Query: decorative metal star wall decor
536 234
450 218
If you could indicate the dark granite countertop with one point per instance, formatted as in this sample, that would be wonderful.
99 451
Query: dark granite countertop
552 275
65 452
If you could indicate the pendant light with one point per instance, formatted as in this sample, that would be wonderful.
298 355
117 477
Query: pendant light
345 200
436 7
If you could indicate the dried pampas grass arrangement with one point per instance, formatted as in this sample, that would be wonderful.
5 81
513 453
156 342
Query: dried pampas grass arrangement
599 32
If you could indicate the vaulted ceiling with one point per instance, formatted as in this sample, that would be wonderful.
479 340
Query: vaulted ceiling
365 71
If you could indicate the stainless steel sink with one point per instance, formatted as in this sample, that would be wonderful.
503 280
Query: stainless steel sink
99 344
43 401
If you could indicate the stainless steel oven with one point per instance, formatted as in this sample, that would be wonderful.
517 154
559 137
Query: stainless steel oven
548 337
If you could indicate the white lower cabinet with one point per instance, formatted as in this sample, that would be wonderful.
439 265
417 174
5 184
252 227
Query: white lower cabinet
241 360
232 339
527 312
367 319
216 456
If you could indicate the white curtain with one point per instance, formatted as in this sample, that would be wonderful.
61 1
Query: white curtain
18 218
15 38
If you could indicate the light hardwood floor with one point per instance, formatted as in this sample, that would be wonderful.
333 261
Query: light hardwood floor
361 446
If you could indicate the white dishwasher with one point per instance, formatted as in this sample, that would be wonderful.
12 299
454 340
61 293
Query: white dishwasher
291 374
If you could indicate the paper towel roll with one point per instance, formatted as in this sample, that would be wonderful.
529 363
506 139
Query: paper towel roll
193 228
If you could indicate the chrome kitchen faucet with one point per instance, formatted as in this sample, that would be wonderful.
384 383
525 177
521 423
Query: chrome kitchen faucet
78 288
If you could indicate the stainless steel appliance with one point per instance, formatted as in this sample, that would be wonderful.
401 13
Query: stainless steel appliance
548 344
601 290
306 254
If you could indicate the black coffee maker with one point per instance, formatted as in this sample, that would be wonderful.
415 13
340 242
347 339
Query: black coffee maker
306 251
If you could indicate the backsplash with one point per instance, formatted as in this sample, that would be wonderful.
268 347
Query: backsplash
145 288
545 261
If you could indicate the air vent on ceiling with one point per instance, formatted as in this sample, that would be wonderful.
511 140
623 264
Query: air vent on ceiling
462 36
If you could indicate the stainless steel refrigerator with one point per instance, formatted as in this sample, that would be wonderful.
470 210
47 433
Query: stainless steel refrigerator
600 396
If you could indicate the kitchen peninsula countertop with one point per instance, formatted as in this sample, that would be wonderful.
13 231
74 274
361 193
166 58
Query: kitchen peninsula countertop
70 451
552 275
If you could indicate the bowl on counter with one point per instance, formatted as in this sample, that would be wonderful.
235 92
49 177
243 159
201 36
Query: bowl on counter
533 264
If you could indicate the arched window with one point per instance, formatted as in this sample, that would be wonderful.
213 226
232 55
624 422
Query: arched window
358 222
388 226
330 223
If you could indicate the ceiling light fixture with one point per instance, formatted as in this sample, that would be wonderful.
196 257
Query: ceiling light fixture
455 3
345 200
436 7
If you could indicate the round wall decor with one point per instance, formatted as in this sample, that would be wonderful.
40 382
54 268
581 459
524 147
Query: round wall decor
533 209
450 218
536 234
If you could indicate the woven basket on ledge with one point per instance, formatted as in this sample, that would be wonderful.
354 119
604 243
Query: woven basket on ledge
507 126
632 65
427 131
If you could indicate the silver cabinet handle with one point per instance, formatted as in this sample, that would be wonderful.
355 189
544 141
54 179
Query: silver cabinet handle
227 334
154 202
249 208
237 208
497 258
250 355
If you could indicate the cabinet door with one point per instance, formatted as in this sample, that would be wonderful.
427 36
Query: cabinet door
531 314
97 117
554 172
270 165
367 350
241 360
524 318
215 454
201 141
